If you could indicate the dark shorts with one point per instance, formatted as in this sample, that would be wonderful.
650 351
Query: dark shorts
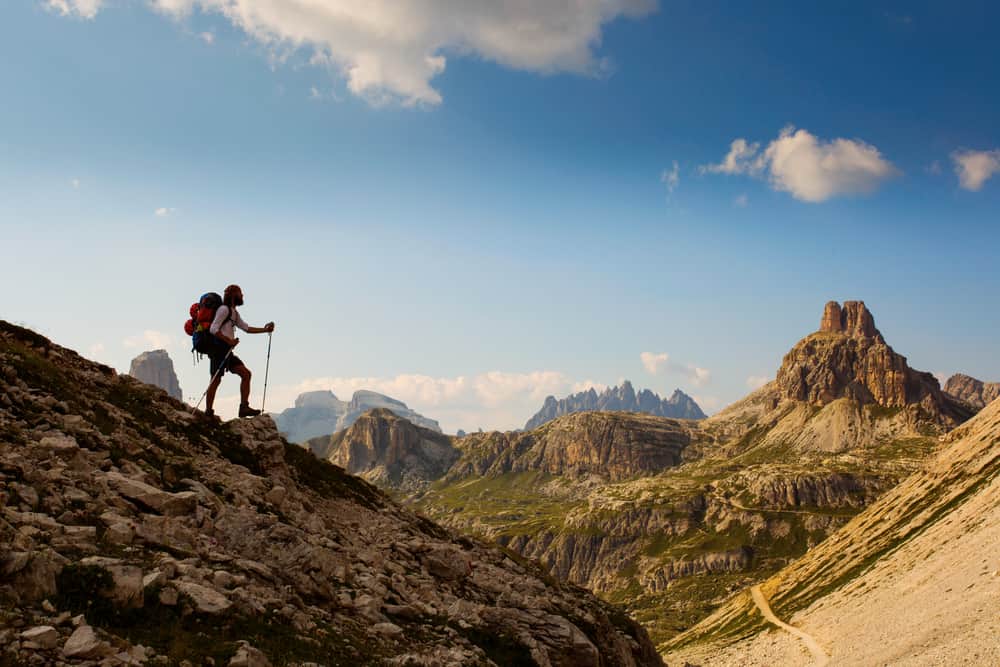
216 361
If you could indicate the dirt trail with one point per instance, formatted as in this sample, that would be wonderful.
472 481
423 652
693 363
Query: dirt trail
758 597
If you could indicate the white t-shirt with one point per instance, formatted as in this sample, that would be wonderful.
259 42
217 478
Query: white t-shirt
224 323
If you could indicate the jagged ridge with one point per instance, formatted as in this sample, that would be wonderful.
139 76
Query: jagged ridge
623 398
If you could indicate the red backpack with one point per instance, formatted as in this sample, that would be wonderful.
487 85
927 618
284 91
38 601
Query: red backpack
202 314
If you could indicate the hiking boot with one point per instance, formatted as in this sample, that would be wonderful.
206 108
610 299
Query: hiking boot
210 413
247 411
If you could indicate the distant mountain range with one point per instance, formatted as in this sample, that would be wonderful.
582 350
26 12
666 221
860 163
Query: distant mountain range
319 413
618 399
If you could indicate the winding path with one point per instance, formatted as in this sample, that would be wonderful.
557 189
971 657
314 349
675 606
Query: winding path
818 653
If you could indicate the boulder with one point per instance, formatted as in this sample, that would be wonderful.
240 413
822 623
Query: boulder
44 636
205 600
84 643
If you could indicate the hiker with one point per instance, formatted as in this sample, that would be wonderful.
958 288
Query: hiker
226 316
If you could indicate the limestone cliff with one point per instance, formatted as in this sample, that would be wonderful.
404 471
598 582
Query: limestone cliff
134 531
610 445
975 392
849 358
622 399
156 368
321 413
388 450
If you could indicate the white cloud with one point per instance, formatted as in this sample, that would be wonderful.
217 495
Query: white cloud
757 381
934 168
742 158
809 168
660 362
653 362
671 177
95 351
150 340
975 167
75 183
741 200
164 212
387 50
207 37
86 9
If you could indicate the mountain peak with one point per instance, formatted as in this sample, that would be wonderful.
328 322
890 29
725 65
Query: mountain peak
853 319
618 399
859 365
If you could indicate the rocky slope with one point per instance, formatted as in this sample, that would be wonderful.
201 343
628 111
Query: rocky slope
388 450
156 368
974 392
135 532
912 580
319 413
618 399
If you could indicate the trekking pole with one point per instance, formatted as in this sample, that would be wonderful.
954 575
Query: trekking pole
222 367
267 367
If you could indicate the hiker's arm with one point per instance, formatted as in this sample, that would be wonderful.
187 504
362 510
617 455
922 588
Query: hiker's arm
267 328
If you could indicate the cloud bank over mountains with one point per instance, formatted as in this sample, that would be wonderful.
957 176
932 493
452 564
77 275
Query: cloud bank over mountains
489 400
390 51
807 167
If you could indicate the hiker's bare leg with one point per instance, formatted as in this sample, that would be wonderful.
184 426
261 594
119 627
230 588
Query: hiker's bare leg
210 395
244 374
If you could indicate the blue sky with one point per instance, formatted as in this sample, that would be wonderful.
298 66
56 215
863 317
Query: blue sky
472 205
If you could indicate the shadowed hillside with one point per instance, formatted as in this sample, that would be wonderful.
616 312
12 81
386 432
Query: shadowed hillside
177 538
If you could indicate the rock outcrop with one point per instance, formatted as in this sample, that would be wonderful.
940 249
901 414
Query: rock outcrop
133 531
975 392
319 413
388 450
611 445
849 358
619 399
156 368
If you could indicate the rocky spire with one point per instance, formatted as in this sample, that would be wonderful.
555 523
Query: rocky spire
857 364
156 368
854 319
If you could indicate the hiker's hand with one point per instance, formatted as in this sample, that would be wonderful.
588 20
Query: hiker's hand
269 327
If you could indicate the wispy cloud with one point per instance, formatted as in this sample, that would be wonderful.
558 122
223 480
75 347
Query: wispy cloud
391 51
164 212
656 363
808 168
207 37
741 201
75 183
974 168
149 340
671 178
757 381
86 9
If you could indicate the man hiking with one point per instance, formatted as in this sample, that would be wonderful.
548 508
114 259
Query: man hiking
226 317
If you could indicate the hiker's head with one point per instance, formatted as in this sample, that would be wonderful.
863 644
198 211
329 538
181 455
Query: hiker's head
233 296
